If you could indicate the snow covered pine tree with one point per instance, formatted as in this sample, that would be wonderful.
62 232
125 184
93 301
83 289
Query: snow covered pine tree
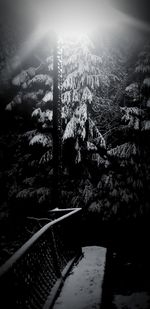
81 77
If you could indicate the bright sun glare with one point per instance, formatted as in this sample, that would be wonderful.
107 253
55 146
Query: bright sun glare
77 20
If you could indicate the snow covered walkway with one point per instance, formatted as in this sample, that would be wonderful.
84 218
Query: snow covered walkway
83 286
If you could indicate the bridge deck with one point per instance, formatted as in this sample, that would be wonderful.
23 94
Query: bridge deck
83 286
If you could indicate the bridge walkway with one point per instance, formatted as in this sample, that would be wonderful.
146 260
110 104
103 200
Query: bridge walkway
83 286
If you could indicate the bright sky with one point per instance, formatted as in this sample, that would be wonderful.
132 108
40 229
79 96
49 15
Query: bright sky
86 15
74 16
79 15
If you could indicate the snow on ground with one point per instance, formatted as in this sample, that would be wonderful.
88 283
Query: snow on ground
83 286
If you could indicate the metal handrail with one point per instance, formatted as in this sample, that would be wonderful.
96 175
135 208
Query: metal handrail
27 278
19 253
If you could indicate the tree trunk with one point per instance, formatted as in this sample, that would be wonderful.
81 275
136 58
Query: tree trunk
57 126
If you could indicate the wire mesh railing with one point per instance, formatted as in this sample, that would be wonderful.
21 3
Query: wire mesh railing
28 277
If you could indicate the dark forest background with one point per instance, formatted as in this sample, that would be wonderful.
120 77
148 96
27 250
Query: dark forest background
105 127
